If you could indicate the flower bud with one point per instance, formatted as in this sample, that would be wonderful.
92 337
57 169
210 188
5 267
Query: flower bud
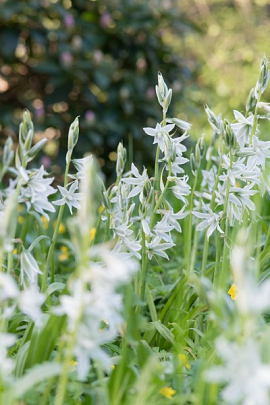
31 154
121 159
214 121
163 94
8 152
25 127
193 163
263 77
251 102
73 134
229 136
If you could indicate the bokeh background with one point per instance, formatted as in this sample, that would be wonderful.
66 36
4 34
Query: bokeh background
100 59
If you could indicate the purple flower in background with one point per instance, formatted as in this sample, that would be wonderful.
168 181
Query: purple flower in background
90 116
105 20
69 20
66 58
46 161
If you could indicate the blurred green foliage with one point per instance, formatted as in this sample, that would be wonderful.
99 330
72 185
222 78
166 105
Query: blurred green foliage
228 41
97 59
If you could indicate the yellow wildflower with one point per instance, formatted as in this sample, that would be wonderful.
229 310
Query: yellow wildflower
20 219
44 221
92 234
184 360
233 292
62 228
15 251
167 392
100 209
64 253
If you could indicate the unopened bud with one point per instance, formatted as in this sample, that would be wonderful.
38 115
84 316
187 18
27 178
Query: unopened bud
121 159
31 154
26 133
229 136
8 152
263 77
251 101
73 134
214 121
193 163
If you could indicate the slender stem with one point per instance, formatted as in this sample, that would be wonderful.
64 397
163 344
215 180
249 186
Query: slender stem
188 256
142 281
49 261
226 230
206 242
255 120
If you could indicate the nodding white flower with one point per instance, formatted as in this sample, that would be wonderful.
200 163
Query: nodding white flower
80 165
30 301
156 248
210 221
181 188
172 218
29 267
239 170
242 128
6 363
177 142
246 377
176 169
35 190
70 197
123 230
8 287
163 229
87 306
160 134
241 196
258 151
138 181
209 177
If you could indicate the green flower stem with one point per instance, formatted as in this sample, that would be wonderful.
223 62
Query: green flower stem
253 130
10 254
226 230
161 196
143 273
196 234
206 242
188 255
61 389
50 261
156 185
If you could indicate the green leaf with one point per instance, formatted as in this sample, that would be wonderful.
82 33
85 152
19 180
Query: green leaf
164 331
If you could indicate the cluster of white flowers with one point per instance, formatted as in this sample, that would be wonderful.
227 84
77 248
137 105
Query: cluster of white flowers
121 204
227 190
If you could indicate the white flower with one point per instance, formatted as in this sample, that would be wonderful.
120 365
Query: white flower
177 142
210 221
8 287
181 189
172 218
162 230
160 134
246 377
35 190
6 363
80 165
30 301
156 248
209 177
29 267
242 129
69 196
259 152
139 182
